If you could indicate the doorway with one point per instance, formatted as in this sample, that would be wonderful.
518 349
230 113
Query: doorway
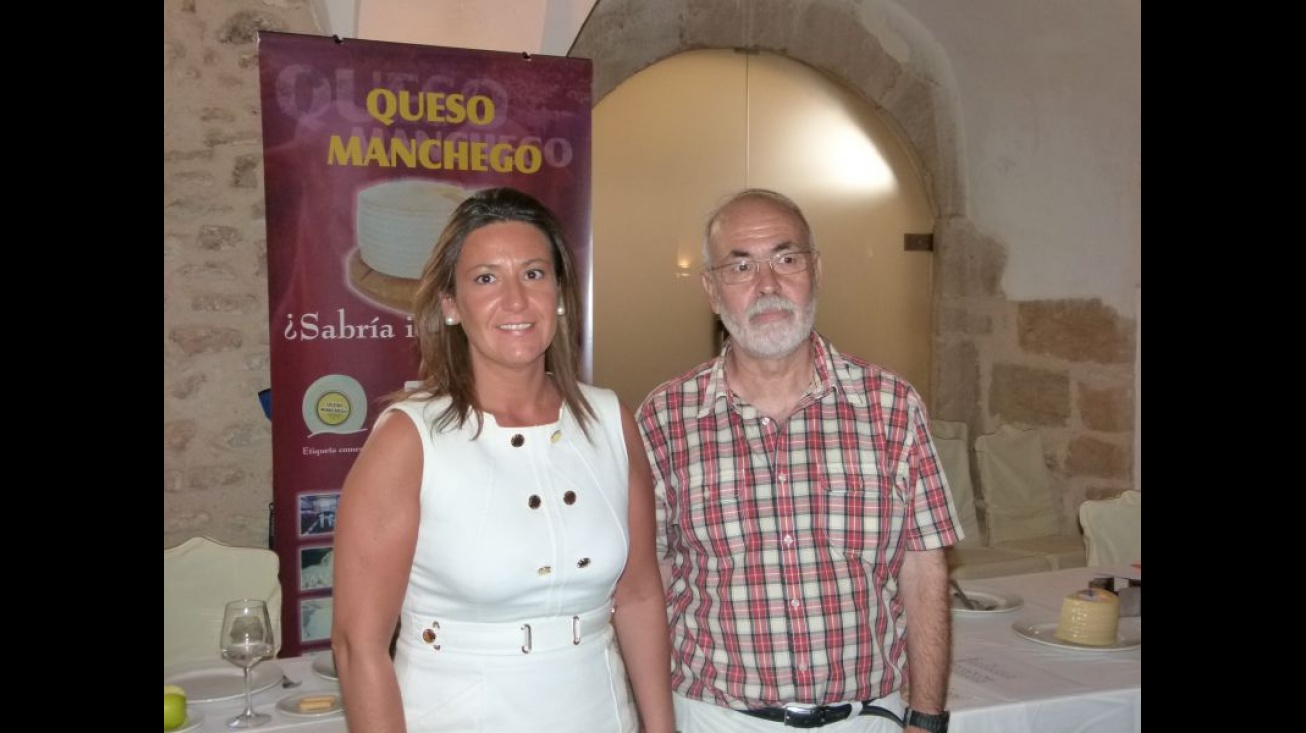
673 139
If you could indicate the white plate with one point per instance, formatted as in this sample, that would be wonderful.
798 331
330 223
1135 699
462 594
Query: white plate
193 720
988 600
206 681
335 403
1129 635
324 665
290 705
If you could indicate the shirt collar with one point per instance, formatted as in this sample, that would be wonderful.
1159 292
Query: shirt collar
715 396
831 379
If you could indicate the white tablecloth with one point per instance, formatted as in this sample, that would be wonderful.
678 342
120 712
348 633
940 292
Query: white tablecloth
216 714
1001 682
1004 683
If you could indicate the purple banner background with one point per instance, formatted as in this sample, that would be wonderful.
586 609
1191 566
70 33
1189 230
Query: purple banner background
336 348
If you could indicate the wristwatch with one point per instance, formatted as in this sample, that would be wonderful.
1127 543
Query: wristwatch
934 723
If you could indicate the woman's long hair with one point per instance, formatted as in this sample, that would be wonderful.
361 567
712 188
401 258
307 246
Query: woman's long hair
446 364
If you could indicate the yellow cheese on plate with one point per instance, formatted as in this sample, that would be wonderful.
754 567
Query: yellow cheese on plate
316 703
1089 617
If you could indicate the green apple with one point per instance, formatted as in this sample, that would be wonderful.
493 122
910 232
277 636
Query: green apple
174 707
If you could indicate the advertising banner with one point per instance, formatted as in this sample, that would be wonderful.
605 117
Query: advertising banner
367 148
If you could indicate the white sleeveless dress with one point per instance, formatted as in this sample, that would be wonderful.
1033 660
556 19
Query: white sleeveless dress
506 620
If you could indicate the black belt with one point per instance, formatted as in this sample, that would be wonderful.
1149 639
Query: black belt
806 715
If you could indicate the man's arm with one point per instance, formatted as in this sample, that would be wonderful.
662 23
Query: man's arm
924 586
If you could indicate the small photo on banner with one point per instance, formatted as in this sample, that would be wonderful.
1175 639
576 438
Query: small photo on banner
317 513
316 567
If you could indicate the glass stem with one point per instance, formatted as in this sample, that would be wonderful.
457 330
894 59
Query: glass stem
249 701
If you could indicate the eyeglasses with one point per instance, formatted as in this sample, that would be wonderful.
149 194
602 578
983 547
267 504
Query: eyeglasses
744 270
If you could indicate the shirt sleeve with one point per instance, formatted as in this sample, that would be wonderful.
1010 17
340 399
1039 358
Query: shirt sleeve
935 522
655 444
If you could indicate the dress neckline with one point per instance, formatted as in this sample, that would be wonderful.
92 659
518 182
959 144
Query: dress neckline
494 421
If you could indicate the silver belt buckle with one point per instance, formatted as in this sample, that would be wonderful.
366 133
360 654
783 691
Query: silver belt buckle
800 712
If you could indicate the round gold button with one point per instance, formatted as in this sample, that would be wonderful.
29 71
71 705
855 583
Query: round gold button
544 570
557 435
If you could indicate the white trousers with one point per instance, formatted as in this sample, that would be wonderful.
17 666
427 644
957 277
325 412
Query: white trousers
693 716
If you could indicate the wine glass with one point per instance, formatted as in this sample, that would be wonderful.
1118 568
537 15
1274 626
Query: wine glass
246 640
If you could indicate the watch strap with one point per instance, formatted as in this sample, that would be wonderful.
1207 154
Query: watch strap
932 722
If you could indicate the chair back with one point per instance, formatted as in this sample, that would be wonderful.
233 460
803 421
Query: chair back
952 445
1113 529
199 576
1018 488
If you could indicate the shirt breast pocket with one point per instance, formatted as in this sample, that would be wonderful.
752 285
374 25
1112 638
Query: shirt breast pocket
855 512
714 520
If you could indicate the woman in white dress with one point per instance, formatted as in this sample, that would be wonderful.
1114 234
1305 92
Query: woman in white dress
501 513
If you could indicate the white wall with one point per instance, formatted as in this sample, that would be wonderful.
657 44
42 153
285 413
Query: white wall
1050 101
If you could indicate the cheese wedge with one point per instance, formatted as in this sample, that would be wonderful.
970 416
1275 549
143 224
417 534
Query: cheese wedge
316 703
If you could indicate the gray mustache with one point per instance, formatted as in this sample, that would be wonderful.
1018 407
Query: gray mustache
770 303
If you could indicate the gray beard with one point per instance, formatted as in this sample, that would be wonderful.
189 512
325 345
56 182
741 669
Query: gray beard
774 340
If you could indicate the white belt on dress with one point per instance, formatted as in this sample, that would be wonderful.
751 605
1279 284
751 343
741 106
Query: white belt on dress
508 637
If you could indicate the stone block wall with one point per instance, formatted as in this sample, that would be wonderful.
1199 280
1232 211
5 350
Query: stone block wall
217 458
1063 367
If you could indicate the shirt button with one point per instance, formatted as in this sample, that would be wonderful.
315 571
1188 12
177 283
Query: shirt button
789 539
795 603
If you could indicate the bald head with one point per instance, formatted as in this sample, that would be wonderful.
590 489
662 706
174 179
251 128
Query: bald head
753 204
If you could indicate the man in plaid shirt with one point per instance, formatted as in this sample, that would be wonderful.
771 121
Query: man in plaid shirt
802 509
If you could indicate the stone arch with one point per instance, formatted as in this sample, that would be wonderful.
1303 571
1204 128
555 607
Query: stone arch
623 37
1063 367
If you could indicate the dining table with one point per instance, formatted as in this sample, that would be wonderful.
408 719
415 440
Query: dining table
315 676
1007 675
1011 675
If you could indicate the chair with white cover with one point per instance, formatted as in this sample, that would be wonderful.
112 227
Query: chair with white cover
1113 529
970 558
199 576
1020 506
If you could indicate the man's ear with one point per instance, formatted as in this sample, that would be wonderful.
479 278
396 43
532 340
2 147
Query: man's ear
709 287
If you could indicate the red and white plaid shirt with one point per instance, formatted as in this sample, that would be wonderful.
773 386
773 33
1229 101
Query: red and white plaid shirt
786 539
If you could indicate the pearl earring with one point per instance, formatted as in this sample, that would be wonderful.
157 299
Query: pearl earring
562 310
448 320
